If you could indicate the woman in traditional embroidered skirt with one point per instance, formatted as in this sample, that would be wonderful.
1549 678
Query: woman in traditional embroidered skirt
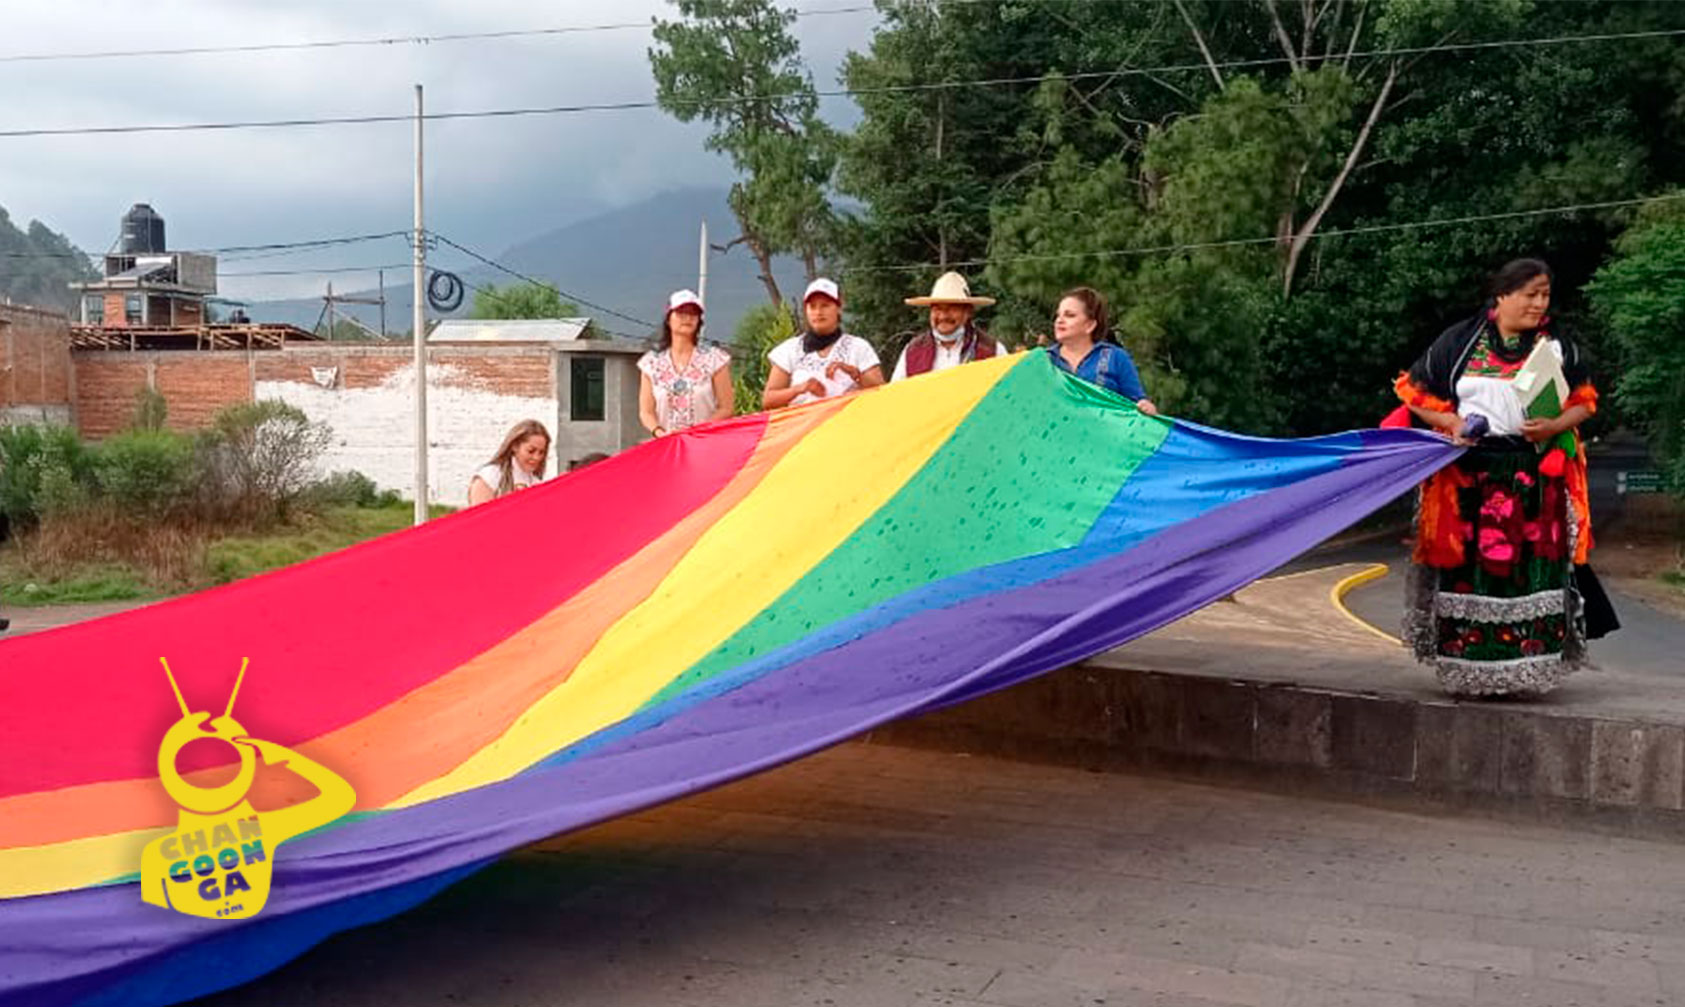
1499 597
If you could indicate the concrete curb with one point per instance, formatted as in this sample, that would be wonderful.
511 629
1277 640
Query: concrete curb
1619 775
1337 598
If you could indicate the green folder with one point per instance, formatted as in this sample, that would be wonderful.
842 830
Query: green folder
1540 384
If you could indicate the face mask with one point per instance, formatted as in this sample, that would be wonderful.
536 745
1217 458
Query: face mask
815 344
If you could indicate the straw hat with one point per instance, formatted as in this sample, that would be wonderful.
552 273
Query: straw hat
950 288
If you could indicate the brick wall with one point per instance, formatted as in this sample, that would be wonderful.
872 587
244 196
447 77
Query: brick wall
106 385
366 394
195 385
35 371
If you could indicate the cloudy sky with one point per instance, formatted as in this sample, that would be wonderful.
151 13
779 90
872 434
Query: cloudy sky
490 183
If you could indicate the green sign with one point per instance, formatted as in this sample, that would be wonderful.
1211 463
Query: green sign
1639 481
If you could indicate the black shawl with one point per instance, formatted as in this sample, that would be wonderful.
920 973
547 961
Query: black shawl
1436 371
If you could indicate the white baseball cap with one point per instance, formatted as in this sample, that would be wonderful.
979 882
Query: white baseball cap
681 298
822 286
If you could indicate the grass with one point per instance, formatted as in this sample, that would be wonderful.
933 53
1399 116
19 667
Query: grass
33 575
239 556
112 582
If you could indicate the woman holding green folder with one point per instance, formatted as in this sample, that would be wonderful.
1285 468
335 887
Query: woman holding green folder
1500 600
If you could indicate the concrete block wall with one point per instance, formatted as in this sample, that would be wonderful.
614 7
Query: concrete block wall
1624 774
36 377
367 395
619 428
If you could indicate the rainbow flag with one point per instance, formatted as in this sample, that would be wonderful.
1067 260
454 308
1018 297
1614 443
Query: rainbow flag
700 608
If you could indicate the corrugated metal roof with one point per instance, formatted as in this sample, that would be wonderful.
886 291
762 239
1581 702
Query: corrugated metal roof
526 330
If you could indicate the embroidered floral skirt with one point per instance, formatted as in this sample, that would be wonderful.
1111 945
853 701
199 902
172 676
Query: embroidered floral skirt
1492 602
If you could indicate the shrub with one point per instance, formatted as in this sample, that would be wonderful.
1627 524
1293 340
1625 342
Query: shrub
42 470
259 457
150 409
147 473
350 489
763 327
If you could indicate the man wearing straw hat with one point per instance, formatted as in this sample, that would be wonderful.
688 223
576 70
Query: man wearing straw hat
953 338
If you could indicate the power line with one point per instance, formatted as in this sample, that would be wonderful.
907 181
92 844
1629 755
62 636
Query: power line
317 272
594 323
1240 242
622 106
250 251
550 286
389 41
349 239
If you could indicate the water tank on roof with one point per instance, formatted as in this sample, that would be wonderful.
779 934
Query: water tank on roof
143 231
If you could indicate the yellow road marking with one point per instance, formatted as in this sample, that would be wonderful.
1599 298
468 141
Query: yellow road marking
1337 596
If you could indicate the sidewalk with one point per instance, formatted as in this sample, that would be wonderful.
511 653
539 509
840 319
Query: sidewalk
1288 629
881 877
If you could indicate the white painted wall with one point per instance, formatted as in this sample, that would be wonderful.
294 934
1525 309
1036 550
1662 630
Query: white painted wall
373 428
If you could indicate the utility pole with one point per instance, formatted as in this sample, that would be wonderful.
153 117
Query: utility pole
333 318
383 304
420 321
702 268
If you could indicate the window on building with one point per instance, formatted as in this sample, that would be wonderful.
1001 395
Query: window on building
93 310
587 400
132 309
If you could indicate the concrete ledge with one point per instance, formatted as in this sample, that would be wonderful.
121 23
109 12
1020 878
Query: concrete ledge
1622 774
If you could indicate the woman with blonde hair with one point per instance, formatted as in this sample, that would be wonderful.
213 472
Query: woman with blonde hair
518 464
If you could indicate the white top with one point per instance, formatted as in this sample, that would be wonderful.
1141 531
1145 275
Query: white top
1495 398
491 475
947 354
684 396
851 350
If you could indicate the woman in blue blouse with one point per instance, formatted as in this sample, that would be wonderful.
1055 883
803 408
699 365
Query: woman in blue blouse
1084 348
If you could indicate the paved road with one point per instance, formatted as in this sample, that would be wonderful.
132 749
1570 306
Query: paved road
872 876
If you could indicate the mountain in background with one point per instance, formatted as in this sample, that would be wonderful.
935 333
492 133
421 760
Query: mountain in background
38 265
628 259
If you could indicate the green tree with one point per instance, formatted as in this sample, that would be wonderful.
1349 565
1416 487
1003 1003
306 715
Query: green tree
735 65
1640 297
38 265
763 327
1256 224
932 159
521 300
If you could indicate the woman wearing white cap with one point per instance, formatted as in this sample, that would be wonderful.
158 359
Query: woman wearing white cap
822 362
684 382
